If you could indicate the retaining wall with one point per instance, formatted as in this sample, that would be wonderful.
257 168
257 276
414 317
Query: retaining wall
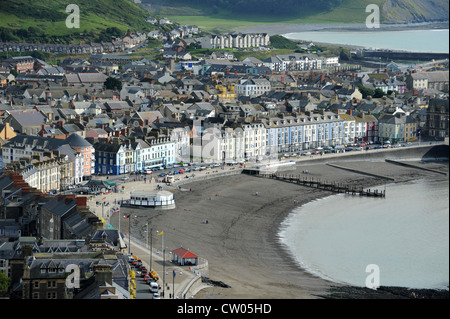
424 153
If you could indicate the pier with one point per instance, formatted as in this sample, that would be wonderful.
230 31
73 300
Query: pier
322 185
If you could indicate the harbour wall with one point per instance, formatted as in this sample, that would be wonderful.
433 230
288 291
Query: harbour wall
419 153
397 55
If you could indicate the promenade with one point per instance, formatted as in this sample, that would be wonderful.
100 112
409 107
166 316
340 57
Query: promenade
240 241
185 275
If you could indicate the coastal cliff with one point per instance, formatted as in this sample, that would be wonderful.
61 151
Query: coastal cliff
411 11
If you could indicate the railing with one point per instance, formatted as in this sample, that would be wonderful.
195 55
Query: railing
151 203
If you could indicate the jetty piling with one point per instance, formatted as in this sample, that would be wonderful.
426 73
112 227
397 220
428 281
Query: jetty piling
326 185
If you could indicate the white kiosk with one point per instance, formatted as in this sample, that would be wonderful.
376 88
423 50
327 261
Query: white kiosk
157 199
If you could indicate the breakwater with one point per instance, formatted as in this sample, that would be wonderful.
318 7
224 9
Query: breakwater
401 55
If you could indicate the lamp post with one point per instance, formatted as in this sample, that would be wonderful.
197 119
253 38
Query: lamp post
173 283
164 263
129 234
150 235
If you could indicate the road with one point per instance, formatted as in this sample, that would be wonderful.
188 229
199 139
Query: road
183 275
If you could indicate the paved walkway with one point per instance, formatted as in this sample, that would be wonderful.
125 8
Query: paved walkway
105 210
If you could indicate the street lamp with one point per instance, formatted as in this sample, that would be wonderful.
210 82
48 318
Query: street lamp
173 283
150 234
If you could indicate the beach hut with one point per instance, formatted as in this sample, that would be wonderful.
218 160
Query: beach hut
183 257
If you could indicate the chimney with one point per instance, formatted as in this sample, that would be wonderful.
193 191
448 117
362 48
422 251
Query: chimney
103 273
81 201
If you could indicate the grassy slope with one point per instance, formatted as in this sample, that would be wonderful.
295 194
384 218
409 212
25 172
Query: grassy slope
94 15
351 11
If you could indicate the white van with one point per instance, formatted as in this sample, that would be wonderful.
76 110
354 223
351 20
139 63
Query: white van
154 287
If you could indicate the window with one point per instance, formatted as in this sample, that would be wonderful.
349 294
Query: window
51 295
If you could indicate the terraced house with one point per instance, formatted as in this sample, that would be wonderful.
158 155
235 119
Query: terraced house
109 158
303 131
397 128
236 40
293 62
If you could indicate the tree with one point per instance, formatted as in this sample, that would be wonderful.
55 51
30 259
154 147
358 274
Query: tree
365 91
113 84
378 93
4 283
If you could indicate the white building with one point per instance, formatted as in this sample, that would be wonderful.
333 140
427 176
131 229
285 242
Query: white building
349 128
237 40
161 199
252 87
254 141
293 62
330 61
159 152
181 139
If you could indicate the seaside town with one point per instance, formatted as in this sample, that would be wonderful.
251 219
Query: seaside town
99 133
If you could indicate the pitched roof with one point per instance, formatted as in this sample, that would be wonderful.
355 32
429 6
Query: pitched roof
184 253
76 140
26 118
60 205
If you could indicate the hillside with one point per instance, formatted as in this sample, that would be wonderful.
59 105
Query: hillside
415 11
228 15
44 20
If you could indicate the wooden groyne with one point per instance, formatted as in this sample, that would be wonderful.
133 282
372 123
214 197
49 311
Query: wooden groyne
326 185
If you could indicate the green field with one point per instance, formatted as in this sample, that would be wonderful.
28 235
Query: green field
351 11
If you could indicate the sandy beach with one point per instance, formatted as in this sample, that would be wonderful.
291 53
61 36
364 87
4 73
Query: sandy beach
240 240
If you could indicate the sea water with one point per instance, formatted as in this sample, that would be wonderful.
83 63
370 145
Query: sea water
432 40
406 235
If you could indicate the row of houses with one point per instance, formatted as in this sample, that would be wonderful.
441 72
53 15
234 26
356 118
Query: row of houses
296 62
49 164
45 238
135 155
231 141
235 40
118 45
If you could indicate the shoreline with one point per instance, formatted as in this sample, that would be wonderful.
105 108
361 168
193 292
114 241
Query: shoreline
241 241
280 29
288 29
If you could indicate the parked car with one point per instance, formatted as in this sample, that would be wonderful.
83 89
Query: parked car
407 144
156 296
154 287
162 174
